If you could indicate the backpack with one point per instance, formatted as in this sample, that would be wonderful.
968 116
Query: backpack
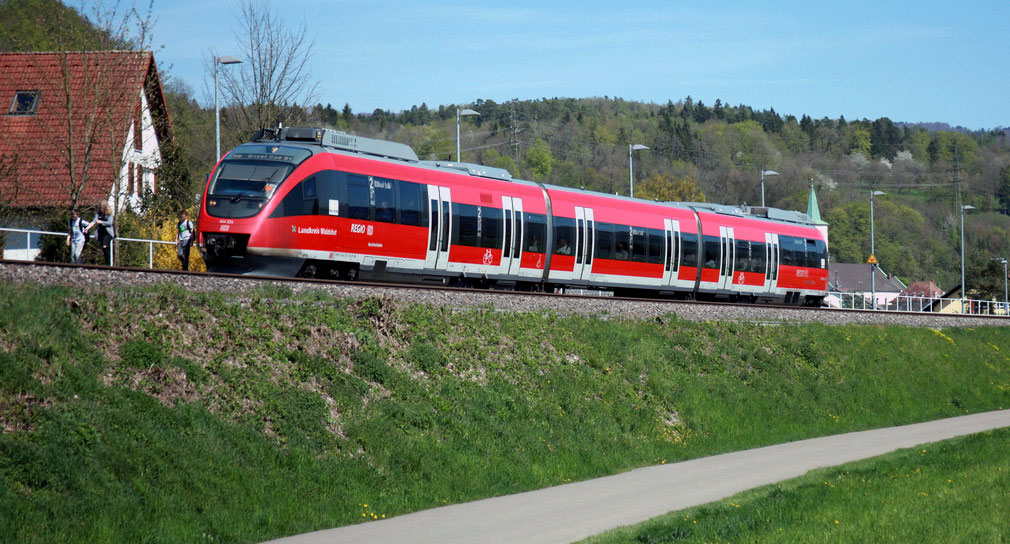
81 224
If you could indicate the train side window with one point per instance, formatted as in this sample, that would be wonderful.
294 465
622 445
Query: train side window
591 233
328 193
639 245
507 252
358 201
604 241
758 257
296 202
385 200
564 235
409 204
536 233
689 241
743 255
712 251
517 243
676 251
579 229
433 224
491 230
656 246
464 225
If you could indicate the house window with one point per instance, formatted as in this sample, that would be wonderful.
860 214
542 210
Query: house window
25 102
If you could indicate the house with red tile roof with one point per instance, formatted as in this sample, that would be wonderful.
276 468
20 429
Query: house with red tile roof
79 129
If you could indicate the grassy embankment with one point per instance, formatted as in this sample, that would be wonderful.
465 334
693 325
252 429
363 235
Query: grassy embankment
160 415
952 491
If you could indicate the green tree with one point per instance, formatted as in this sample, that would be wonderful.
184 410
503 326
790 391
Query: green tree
669 188
858 140
538 160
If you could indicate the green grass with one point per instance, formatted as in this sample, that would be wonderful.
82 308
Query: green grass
952 491
167 416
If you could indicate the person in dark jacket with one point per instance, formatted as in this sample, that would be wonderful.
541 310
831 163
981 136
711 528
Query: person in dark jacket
106 231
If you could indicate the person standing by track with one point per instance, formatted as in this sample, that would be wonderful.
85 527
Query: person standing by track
77 236
106 232
184 235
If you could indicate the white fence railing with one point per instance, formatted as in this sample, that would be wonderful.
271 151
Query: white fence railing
861 301
31 251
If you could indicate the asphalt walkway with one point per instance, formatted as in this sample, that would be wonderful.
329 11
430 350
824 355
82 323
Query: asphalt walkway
575 511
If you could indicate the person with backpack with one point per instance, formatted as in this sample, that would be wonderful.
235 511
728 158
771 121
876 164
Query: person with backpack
77 236
106 233
184 235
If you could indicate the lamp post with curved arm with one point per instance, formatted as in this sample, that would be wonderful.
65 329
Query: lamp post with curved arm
631 174
459 112
217 106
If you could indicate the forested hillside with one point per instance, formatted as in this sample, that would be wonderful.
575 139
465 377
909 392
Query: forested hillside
696 152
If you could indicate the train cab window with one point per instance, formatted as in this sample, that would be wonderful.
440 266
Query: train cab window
410 204
384 196
604 241
536 233
564 236
689 249
816 254
358 204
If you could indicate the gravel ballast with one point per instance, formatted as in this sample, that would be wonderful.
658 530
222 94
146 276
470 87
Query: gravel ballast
109 279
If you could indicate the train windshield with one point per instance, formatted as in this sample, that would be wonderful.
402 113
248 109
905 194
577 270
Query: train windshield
249 179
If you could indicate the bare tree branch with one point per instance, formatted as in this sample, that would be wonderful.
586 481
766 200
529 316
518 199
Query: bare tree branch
274 81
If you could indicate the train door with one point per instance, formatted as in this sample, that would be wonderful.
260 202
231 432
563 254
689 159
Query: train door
439 223
584 243
772 260
671 261
511 253
727 250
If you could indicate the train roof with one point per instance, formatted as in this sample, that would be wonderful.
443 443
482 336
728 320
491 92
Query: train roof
330 139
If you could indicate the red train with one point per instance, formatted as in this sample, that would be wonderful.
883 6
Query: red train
317 202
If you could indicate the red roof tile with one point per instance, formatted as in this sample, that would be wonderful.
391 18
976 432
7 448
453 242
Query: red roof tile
101 91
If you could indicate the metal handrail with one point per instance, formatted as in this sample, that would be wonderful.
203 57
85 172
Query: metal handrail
904 303
150 243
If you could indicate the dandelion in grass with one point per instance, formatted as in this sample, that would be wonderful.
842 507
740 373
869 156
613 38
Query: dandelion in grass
944 336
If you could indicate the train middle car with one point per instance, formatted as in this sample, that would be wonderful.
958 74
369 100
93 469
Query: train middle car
316 202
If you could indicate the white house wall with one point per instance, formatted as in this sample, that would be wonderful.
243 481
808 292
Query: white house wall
144 161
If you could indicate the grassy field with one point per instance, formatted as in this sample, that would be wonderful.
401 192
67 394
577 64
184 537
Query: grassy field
952 491
160 415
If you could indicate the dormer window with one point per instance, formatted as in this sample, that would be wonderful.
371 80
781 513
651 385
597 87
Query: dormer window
25 102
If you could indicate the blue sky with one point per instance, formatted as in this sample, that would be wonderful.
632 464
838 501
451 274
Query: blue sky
909 61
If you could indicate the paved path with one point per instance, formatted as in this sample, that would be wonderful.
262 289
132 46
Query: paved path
574 511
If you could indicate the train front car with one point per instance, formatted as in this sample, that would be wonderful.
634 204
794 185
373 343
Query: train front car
240 194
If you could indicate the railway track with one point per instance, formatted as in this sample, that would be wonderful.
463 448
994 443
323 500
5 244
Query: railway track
103 277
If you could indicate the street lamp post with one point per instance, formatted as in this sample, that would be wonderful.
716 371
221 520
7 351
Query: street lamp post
873 265
763 174
217 106
459 112
631 175
964 293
